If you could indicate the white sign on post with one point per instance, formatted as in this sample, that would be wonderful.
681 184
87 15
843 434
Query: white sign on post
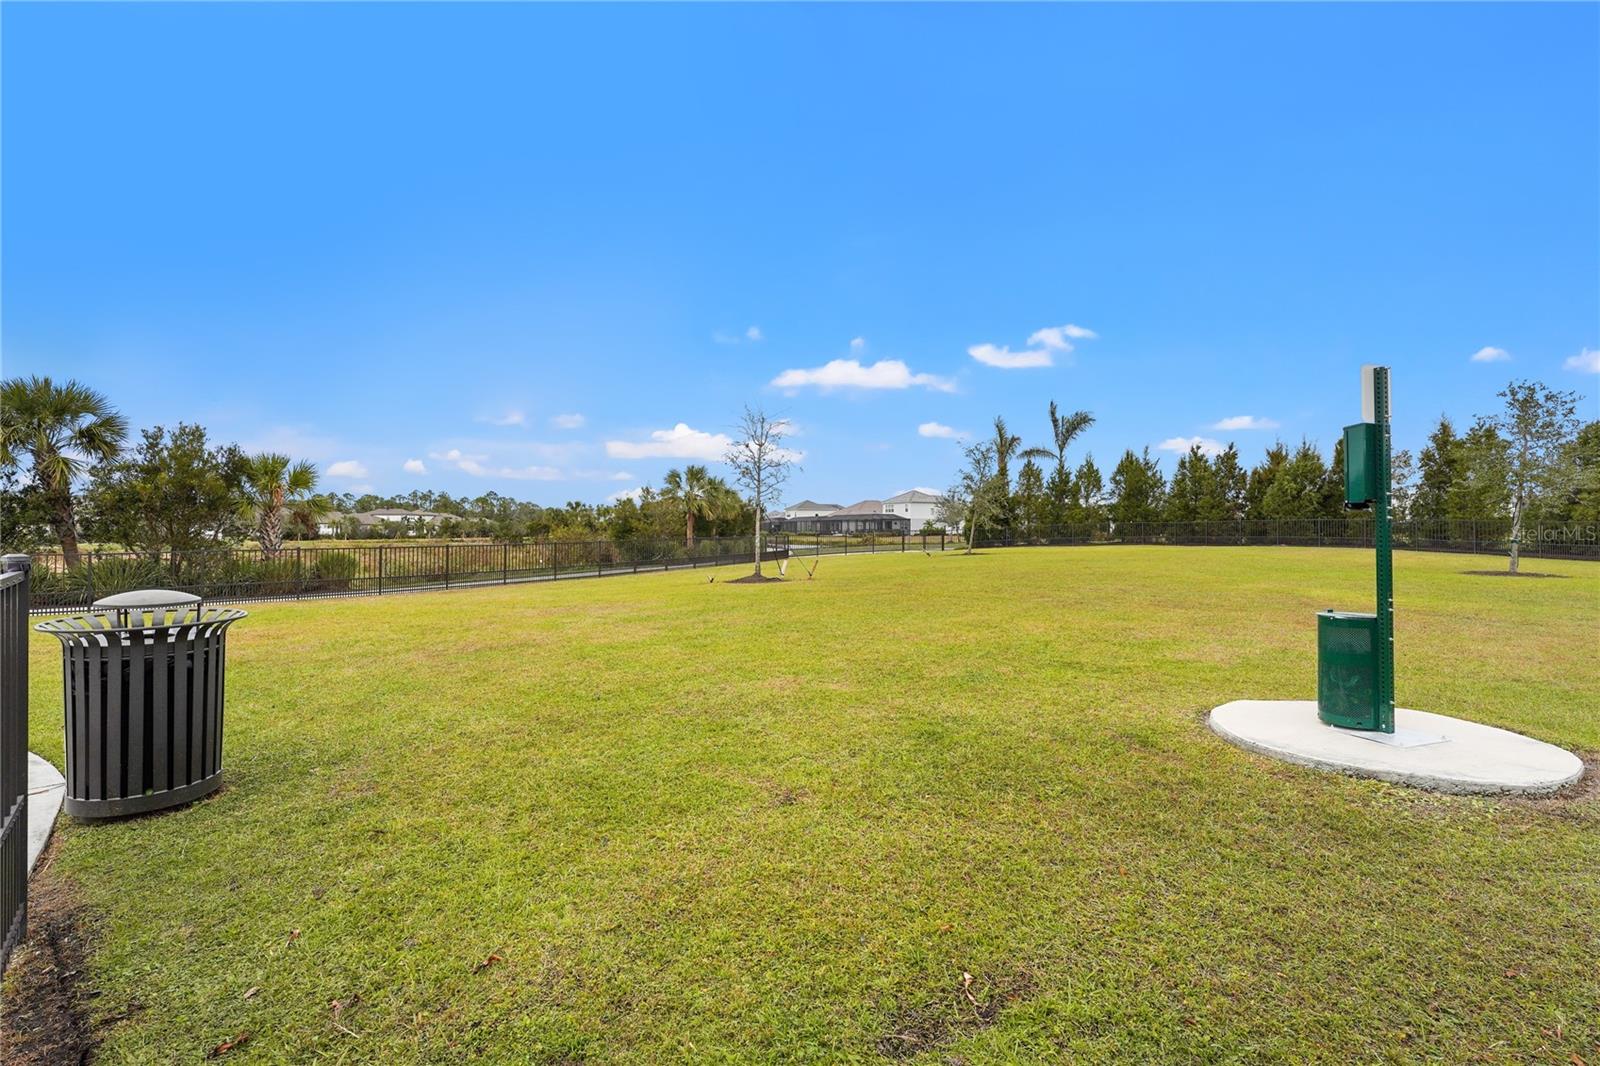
1369 398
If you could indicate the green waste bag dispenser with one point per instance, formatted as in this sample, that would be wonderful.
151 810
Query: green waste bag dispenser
1355 651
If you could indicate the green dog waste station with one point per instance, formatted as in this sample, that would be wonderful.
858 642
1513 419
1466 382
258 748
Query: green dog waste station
1355 652
1353 726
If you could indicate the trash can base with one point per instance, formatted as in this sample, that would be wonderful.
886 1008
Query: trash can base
154 801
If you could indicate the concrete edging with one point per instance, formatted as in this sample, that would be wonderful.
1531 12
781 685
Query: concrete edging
1464 757
46 789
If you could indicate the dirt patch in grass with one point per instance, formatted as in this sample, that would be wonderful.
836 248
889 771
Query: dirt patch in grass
1507 573
1577 800
970 1004
754 579
46 1019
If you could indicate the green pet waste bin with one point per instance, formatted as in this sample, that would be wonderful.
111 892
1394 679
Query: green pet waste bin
1347 670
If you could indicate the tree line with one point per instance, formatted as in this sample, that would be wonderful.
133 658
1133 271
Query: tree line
1534 461
70 473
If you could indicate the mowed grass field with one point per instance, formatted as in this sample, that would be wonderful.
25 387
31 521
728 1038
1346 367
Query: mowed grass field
943 810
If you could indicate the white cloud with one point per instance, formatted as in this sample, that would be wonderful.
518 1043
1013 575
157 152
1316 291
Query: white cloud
627 494
939 430
415 466
679 442
1181 445
1488 354
456 455
1006 359
1585 362
754 334
1044 345
1244 422
572 421
857 343
347 468
473 464
850 374
361 488
510 418
620 475
1056 336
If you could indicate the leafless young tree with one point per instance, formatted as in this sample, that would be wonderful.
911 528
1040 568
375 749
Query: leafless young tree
761 464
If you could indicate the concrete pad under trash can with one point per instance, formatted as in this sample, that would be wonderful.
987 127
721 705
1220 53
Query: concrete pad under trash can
1432 751
46 789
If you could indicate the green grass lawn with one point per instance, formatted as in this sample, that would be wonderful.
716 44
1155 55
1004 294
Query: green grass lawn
705 822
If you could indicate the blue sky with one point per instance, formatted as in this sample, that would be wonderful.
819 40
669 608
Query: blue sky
552 250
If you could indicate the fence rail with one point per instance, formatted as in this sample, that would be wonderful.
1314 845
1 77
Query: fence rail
306 572
13 754
1576 540
246 574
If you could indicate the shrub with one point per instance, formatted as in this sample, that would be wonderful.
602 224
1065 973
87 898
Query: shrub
111 575
334 571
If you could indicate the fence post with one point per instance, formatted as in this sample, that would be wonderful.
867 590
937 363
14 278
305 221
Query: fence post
299 573
88 561
505 562
447 566
380 569
14 752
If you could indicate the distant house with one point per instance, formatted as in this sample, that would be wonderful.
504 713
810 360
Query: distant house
412 523
922 508
809 509
868 516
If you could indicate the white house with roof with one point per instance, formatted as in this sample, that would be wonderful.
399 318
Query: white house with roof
906 513
412 522
918 506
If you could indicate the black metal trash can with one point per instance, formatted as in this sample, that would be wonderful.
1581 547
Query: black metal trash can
143 683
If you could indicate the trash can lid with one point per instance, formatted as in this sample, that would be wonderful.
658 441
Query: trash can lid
147 598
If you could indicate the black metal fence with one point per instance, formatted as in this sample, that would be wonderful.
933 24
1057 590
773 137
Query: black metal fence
239 575
13 754
245 574
1575 540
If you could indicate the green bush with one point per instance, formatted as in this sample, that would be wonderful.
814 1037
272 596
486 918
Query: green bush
109 576
334 571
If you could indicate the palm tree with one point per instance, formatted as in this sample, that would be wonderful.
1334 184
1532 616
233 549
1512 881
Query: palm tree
273 485
693 491
1005 449
60 428
1005 446
1063 430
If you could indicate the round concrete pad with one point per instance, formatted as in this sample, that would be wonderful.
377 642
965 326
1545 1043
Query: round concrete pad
1433 751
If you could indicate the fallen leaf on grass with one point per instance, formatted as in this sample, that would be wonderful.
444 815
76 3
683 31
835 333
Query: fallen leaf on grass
294 934
250 993
341 1005
486 963
228 1045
